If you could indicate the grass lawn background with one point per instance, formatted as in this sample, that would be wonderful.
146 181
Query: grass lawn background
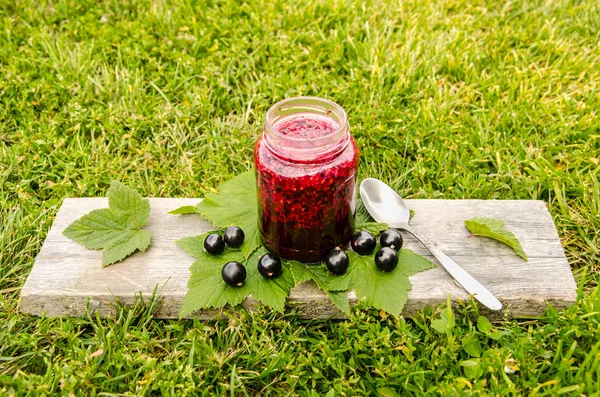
450 99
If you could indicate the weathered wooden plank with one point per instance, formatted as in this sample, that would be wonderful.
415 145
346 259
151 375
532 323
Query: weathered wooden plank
66 276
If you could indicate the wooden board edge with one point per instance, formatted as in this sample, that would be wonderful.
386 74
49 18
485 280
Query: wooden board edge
316 307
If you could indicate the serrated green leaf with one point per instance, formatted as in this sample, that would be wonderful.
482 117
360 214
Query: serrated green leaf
319 273
340 300
410 263
123 199
194 245
97 229
364 221
335 287
235 204
116 229
206 288
385 291
270 292
493 228
300 272
129 242
372 227
186 209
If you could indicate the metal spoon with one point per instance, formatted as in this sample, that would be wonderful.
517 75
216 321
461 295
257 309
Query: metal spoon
386 206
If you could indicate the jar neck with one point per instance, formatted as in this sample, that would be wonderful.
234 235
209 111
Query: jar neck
306 130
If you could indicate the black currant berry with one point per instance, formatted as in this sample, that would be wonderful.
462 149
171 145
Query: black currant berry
386 259
214 244
391 238
234 274
234 236
269 266
337 262
363 243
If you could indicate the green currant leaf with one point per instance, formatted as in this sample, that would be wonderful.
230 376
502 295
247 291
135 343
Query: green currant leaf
340 300
364 221
186 209
235 204
270 292
215 293
493 228
117 229
335 287
206 288
300 272
319 273
195 245
385 291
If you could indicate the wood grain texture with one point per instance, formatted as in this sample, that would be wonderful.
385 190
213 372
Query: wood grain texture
66 278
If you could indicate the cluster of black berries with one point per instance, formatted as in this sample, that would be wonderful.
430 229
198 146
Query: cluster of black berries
234 273
269 265
364 243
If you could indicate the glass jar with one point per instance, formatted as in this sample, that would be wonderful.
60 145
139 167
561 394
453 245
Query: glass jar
306 163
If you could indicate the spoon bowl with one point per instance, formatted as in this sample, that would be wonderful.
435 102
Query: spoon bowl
386 206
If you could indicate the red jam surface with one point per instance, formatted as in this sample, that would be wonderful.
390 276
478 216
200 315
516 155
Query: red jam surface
306 207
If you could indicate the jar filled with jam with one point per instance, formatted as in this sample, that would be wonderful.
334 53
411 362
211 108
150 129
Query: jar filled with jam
306 163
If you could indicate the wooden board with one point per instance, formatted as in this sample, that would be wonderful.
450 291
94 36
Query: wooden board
66 277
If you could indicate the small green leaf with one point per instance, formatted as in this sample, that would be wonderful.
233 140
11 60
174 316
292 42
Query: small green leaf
235 204
186 209
364 221
445 324
492 228
472 346
483 324
442 325
373 227
472 368
117 229
385 291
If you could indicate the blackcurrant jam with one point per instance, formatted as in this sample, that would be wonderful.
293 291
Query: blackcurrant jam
306 162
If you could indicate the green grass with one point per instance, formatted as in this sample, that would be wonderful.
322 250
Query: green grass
453 99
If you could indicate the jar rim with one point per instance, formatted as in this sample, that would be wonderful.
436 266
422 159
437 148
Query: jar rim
270 118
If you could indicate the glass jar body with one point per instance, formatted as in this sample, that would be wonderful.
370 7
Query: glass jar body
306 179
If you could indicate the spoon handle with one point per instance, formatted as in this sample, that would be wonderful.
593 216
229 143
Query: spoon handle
467 281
